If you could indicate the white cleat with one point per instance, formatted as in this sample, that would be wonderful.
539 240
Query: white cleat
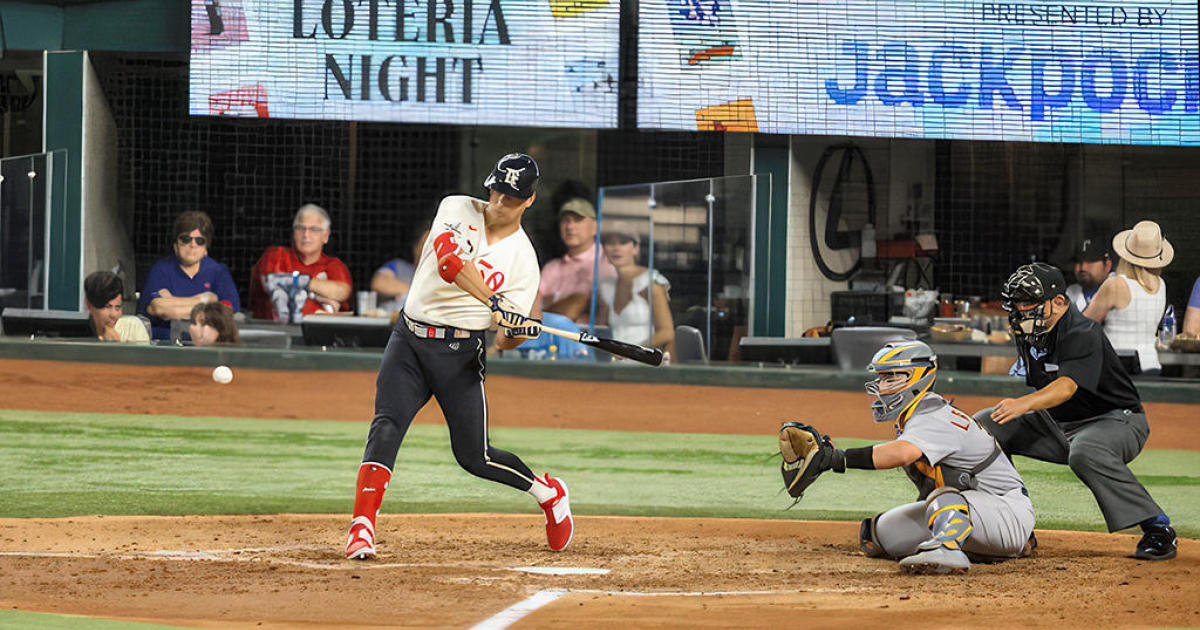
939 561
361 543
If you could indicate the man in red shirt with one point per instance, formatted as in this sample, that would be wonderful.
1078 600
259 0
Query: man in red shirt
288 282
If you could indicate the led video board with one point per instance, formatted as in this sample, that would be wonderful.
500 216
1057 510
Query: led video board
550 63
1107 72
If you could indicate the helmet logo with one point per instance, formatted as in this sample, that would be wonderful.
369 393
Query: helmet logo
512 176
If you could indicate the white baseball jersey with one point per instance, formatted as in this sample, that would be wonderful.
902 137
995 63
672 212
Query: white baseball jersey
509 268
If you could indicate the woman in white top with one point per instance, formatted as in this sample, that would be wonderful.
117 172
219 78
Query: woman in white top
1131 303
635 306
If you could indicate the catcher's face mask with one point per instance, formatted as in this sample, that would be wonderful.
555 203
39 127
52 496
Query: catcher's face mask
905 373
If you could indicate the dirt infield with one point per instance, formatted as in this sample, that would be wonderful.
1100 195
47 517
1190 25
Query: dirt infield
286 571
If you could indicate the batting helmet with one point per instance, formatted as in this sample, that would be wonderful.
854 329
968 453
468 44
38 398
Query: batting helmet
905 372
1024 299
515 175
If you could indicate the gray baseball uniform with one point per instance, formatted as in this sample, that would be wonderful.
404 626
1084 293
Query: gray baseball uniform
955 446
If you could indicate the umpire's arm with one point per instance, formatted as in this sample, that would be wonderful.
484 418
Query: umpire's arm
1059 391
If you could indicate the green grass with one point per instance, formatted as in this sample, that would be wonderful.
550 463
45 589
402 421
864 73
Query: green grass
64 464
21 620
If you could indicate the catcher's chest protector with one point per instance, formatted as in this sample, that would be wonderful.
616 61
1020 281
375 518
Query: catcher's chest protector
929 478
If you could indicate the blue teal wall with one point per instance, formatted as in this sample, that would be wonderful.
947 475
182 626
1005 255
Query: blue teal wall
771 157
128 25
64 130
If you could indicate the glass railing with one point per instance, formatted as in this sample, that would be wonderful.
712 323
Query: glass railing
675 265
30 185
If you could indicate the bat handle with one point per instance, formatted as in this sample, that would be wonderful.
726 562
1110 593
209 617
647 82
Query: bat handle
565 334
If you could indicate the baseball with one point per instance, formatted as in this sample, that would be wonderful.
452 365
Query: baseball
222 374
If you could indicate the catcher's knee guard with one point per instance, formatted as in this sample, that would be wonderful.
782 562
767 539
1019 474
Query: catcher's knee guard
868 541
948 517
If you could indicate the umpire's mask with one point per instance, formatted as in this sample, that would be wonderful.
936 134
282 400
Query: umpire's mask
1024 297
906 371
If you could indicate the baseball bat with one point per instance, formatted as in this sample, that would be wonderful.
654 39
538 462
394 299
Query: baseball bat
641 354
470 281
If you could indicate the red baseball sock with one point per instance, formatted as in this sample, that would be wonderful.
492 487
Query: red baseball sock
368 496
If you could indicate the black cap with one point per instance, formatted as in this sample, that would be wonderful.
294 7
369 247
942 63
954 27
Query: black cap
1094 249
515 175
1033 283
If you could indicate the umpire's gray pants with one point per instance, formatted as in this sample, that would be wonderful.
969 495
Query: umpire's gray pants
1097 450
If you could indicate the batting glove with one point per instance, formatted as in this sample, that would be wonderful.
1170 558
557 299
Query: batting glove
532 329
506 317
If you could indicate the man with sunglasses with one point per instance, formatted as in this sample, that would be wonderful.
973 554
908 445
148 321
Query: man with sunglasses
177 283
1086 412
289 282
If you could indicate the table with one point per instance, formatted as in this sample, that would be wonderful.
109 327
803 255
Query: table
1170 357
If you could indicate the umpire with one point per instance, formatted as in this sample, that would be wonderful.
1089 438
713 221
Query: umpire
1086 412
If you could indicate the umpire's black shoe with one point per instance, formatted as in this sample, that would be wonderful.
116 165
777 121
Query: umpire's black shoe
1158 543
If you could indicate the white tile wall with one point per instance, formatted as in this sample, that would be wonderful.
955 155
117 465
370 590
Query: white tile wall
808 291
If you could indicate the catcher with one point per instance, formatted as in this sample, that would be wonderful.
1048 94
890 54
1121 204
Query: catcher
971 504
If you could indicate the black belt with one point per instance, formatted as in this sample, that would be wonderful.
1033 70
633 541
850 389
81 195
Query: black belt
429 331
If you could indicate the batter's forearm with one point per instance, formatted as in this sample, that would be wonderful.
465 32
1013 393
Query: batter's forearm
470 280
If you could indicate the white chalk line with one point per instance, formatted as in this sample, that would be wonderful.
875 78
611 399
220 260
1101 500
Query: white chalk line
512 614
254 555
499 621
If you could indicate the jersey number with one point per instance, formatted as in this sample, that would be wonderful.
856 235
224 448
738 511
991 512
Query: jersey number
494 280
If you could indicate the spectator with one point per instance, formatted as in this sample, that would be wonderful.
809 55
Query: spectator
289 282
566 286
393 279
177 283
1093 266
1191 318
211 323
1131 303
103 293
629 299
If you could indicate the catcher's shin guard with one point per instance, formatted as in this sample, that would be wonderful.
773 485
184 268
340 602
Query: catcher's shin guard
368 496
949 519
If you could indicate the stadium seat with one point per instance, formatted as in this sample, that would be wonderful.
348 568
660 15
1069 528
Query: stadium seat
852 348
689 345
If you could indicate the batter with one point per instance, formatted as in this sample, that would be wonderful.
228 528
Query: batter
477 266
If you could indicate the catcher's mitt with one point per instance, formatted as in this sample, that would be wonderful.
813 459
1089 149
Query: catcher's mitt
806 454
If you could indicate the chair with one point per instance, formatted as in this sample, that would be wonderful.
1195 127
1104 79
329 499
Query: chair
852 348
689 345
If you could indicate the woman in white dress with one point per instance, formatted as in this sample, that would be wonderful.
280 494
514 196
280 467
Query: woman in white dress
635 303
1130 304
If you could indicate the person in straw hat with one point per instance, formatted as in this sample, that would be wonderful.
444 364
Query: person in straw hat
1131 303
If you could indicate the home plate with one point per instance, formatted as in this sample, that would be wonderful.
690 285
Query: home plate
560 570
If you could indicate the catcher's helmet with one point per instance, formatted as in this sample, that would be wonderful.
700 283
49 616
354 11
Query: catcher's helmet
515 175
906 371
1024 298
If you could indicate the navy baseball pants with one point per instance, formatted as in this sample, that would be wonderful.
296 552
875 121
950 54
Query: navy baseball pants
452 370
